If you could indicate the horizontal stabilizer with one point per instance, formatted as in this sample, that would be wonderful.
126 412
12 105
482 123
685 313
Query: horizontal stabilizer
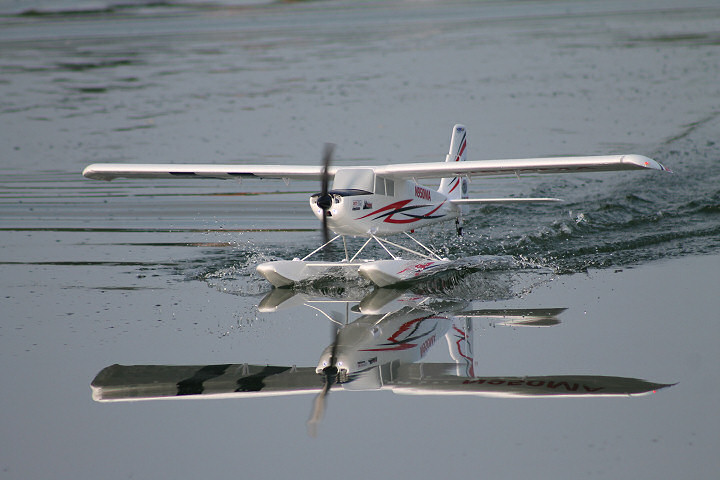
518 317
505 200
533 313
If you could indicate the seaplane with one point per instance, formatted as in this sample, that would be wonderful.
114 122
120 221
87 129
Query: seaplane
380 342
377 202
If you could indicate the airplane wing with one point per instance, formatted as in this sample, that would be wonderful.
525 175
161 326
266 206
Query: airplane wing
533 387
521 166
154 382
118 383
110 171
435 379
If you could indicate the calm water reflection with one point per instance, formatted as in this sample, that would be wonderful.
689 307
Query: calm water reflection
379 342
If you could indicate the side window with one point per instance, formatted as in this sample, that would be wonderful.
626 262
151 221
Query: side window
379 185
390 187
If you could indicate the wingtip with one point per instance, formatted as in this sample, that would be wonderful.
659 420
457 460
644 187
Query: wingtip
92 172
89 172
646 162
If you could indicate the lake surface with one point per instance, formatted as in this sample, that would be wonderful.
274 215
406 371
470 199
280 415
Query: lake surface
94 274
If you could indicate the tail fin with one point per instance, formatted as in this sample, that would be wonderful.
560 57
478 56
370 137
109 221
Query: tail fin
460 342
455 187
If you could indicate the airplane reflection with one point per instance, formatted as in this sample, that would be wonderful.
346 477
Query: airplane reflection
382 349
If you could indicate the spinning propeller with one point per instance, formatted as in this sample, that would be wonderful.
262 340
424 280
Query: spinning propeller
330 377
325 200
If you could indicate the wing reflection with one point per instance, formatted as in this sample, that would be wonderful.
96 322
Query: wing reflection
381 349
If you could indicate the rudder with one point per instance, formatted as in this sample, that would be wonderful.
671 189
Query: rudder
455 187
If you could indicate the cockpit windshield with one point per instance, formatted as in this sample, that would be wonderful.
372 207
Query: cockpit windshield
362 180
354 179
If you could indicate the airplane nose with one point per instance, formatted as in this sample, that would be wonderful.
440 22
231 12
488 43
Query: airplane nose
324 202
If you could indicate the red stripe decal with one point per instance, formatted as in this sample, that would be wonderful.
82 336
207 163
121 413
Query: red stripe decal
389 219
438 207
462 337
404 327
402 346
399 204
462 149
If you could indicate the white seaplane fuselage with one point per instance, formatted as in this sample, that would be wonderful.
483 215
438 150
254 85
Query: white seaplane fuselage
372 340
365 204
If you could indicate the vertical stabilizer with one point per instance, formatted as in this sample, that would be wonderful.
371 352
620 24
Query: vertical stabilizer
460 342
456 187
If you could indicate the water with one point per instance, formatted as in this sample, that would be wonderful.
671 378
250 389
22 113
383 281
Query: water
162 273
